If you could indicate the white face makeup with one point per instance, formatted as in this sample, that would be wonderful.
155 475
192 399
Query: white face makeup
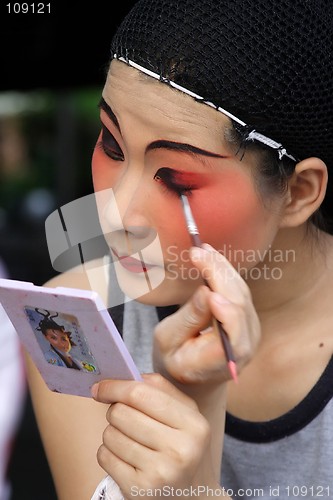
149 129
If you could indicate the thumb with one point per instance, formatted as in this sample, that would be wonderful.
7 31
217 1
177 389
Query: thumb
186 323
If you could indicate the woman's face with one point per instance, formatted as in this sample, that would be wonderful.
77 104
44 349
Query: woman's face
58 339
156 143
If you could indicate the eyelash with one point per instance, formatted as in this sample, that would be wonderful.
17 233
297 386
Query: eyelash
102 144
172 187
176 190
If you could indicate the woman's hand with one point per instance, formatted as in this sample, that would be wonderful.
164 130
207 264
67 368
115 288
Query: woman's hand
184 349
155 439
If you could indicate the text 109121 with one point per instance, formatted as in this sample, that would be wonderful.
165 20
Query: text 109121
28 8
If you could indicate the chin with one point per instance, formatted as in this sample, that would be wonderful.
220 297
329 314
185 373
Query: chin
162 290
168 294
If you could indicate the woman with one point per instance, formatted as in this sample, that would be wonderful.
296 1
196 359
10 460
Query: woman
229 103
60 344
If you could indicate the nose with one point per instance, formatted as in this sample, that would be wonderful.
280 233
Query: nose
125 209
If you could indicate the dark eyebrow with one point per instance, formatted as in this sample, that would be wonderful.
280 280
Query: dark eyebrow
161 144
181 146
105 107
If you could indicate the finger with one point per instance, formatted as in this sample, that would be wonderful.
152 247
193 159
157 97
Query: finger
188 355
136 426
129 449
198 361
145 429
156 380
242 327
184 324
203 358
144 397
219 273
172 455
128 425
117 468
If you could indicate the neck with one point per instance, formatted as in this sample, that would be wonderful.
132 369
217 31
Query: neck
292 272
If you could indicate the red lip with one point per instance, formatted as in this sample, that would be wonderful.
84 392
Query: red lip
131 264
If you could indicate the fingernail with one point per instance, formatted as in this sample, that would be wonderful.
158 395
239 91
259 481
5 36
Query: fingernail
197 253
208 247
94 390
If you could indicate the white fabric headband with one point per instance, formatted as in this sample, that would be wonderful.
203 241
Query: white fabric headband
251 136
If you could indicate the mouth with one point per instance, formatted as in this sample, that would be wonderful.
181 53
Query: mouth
131 264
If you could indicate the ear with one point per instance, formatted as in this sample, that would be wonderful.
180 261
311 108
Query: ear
306 191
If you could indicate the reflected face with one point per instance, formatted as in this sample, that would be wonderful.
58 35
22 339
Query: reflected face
58 339
155 144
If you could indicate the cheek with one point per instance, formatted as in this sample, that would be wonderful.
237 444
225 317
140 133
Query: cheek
170 224
104 172
230 213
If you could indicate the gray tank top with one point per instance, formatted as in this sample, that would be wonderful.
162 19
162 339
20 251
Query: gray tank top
288 457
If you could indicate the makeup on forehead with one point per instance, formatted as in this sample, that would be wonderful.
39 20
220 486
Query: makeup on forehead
162 143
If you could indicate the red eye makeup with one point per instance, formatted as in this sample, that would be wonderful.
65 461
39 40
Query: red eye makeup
180 182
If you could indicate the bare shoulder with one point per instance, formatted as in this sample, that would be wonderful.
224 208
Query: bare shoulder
74 278
71 427
91 276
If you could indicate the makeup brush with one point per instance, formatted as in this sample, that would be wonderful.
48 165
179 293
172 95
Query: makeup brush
196 241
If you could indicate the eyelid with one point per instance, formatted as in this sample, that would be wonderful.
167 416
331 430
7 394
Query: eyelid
107 132
109 144
106 128
172 181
